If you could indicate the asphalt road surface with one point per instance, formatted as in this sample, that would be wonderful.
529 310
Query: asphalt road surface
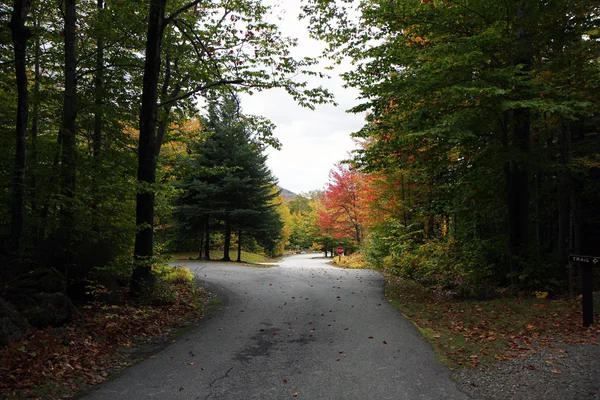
302 330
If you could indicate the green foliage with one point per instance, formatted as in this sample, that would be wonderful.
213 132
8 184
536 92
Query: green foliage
229 187
178 276
477 123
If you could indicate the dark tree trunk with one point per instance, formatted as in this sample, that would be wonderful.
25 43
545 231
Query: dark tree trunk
20 34
200 248
404 217
49 204
227 244
99 90
564 194
164 121
518 179
207 239
239 247
147 157
510 267
69 115
34 134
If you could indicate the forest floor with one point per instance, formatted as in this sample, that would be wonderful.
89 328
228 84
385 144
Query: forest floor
99 341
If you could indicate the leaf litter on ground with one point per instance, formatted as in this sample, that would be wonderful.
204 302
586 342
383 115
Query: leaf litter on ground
56 363
470 332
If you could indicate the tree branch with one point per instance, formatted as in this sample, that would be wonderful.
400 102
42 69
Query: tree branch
200 89
182 9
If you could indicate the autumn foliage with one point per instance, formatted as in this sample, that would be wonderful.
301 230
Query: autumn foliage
343 213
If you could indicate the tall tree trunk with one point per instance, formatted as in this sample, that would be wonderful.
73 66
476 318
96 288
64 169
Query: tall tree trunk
99 90
200 248
142 273
404 217
227 244
564 194
239 247
518 188
207 239
20 34
49 203
510 267
33 163
69 116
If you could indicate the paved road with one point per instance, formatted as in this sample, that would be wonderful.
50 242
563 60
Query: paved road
304 330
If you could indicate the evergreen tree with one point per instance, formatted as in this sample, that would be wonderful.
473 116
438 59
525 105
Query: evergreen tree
230 184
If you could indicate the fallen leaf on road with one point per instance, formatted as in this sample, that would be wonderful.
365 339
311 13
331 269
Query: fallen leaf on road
557 372
191 363
370 337
296 394
384 342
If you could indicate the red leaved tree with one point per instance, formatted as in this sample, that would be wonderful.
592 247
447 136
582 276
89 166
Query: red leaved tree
342 215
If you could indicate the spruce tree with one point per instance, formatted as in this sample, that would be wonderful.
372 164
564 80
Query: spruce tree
230 186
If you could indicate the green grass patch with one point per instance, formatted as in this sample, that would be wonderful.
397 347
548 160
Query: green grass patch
217 255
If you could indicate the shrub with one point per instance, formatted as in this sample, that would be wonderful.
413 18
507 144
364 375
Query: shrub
178 276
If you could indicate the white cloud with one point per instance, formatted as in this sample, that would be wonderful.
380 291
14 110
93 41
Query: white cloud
313 141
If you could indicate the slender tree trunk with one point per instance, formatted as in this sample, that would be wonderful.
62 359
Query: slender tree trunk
539 205
99 90
69 116
44 216
564 194
518 188
20 34
239 247
227 244
164 121
403 201
510 267
207 239
143 251
33 163
201 245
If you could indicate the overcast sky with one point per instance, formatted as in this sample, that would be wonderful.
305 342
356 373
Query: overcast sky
312 141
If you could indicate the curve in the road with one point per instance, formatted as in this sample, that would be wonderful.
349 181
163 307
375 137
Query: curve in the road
305 329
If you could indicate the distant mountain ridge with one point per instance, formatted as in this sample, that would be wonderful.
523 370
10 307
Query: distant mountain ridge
287 194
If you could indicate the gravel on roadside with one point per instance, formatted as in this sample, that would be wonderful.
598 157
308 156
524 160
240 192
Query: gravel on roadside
561 372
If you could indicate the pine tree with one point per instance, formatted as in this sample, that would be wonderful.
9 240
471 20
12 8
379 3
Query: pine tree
230 185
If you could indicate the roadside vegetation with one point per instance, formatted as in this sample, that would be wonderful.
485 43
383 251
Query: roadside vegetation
101 339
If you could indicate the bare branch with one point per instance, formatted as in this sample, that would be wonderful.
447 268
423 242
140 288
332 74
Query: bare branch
201 89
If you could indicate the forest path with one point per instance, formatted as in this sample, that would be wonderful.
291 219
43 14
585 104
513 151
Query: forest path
304 329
